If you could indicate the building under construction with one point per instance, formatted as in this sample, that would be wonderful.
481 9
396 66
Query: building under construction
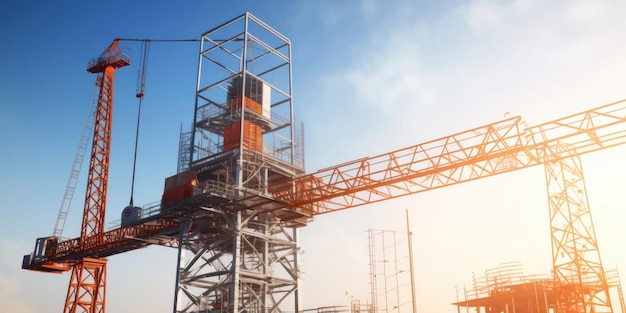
507 289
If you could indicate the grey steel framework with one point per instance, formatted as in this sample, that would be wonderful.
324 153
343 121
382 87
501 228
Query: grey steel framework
239 250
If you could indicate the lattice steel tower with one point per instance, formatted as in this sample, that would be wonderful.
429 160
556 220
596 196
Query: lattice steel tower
241 251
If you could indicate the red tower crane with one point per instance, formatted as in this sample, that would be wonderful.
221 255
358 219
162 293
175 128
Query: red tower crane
87 287
241 192
86 291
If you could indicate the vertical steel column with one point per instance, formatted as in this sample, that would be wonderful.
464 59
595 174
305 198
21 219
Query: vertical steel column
373 272
409 235
184 230
193 147
264 256
243 68
97 181
233 297
87 288
296 266
579 278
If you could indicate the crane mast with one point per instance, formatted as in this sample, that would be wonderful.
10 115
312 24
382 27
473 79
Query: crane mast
98 176
87 287
238 199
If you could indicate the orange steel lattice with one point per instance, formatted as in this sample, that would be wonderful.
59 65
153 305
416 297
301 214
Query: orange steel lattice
492 149
485 151
506 288
580 281
579 277
87 288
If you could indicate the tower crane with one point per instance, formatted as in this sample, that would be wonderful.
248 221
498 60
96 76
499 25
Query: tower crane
241 192
88 280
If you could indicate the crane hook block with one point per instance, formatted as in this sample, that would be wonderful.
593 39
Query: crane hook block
131 214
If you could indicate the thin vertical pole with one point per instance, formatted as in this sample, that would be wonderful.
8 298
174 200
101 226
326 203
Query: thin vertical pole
410 243
184 229
373 286
458 306
465 298
382 235
234 299
395 264
296 263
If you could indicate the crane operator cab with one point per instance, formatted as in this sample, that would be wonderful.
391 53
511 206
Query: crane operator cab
45 247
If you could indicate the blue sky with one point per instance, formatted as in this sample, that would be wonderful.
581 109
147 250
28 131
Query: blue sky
369 77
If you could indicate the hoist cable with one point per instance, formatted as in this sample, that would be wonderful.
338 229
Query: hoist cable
141 83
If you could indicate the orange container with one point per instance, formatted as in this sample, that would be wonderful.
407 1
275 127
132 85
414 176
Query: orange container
179 187
252 136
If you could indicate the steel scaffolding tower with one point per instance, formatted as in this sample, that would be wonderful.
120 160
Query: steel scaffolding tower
240 253
390 272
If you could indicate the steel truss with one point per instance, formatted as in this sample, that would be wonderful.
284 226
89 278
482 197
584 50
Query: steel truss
87 288
579 277
238 231
236 261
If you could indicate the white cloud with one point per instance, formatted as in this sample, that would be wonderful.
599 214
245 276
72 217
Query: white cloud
483 55
483 16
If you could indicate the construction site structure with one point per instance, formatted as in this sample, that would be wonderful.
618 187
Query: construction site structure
507 289
88 280
242 251
234 208
391 270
